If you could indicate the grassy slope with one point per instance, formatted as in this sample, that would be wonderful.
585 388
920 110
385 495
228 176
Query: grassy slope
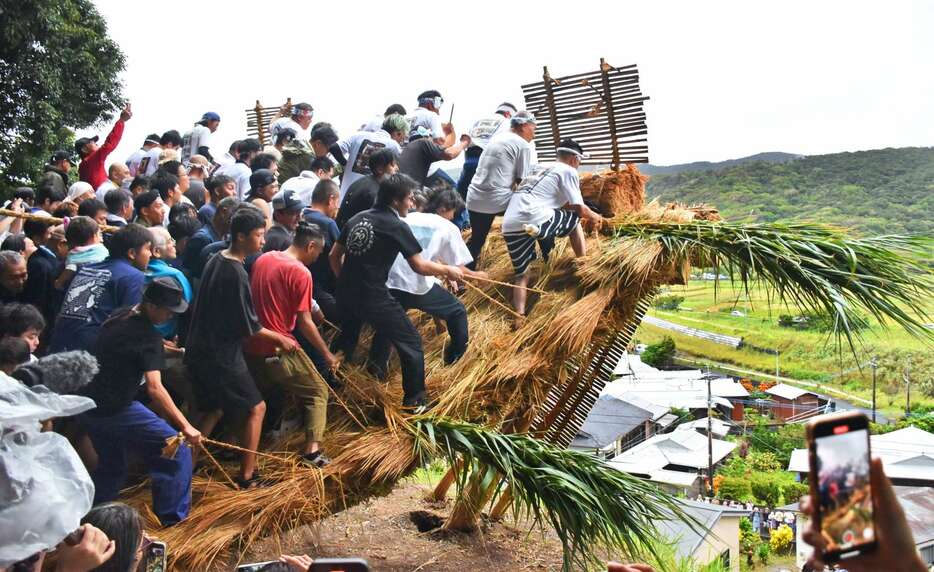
804 354
876 192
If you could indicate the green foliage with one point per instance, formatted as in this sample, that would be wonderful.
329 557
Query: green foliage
591 507
60 70
670 302
780 539
763 461
664 558
764 552
877 192
735 488
749 539
734 466
778 441
792 492
659 354
766 489
818 322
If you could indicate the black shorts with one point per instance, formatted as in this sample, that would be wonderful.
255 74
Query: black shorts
521 245
231 390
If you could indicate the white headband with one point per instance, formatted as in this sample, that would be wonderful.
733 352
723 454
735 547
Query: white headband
574 151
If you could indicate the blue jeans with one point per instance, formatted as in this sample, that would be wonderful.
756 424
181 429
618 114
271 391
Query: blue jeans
471 160
138 428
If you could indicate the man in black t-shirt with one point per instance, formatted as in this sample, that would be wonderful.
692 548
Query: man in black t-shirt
129 352
361 259
422 151
223 317
362 193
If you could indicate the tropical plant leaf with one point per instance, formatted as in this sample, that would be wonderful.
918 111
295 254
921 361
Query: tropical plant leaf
815 267
591 506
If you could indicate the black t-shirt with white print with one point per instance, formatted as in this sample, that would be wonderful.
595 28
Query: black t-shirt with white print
372 240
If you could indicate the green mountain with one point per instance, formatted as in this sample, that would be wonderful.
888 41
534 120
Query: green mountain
883 191
770 157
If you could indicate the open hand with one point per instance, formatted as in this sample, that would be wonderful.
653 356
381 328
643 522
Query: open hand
297 563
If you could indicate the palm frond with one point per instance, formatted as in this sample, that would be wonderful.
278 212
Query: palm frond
815 267
590 505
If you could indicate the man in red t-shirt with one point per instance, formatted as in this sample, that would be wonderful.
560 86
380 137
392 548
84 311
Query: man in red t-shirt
91 170
281 287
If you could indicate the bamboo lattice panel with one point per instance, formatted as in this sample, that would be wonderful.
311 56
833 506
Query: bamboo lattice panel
602 110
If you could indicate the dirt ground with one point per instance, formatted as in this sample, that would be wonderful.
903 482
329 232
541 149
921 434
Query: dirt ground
385 533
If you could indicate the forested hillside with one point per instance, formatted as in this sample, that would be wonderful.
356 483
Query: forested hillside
880 191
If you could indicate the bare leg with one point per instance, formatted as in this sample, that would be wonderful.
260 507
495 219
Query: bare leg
209 421
251 431
578 243
311 447
520 293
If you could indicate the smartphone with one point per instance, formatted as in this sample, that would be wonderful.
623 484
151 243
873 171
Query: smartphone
838 447
339 565
155 557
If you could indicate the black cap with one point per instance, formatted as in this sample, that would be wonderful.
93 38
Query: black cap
153 139
80 143
62 155
260 178
165 292
572 146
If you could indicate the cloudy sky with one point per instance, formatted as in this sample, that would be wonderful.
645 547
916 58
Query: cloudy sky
726 79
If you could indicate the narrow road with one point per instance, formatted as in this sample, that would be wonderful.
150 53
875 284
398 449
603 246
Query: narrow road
811 384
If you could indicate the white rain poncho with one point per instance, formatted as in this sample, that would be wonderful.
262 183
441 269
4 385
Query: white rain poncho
44 488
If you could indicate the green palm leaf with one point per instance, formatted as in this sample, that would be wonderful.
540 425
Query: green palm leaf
815 267
591 506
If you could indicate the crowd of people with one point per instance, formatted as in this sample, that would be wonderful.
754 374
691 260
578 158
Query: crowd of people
207 283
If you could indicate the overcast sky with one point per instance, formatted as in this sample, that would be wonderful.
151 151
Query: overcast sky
726 79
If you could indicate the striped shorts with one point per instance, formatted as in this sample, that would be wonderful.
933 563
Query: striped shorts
521 245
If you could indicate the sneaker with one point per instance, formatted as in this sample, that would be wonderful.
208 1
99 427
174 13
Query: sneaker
317 459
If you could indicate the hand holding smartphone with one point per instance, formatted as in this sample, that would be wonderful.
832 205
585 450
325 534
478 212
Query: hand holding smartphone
841 490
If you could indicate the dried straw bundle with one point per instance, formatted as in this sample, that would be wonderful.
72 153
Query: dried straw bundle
615 192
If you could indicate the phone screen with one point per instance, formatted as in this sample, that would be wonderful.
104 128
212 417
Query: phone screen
155 557
843 489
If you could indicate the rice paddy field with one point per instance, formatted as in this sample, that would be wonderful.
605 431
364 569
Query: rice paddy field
803 354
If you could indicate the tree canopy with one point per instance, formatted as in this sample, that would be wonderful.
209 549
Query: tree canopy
59 71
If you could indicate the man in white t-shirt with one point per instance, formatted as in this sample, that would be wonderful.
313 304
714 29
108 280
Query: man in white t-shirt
230 157
241 171
133 161
441 242
505 161
116 174
198 140
547 204
354 152
427 115
299 122
322 169
482 131
170 140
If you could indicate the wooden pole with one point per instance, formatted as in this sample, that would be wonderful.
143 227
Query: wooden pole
552 112
610 112
49 219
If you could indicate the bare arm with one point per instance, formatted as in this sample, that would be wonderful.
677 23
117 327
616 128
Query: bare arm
336 258
454 150
306 326
429 268
163 404
584 212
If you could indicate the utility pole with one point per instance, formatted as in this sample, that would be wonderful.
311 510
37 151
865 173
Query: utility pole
709 435
874 364
777 355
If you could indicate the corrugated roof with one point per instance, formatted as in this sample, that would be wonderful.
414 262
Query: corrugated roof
686 448
687 539
719 427
609 419
786 391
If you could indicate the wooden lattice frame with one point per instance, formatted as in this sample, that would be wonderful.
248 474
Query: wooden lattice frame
259 118
578 106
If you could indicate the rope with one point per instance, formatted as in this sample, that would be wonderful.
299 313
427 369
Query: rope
491 281
494 300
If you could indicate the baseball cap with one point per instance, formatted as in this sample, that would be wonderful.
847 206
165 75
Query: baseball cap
165 292
287 201
210 116
61 155
261 177
571 146
80 143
